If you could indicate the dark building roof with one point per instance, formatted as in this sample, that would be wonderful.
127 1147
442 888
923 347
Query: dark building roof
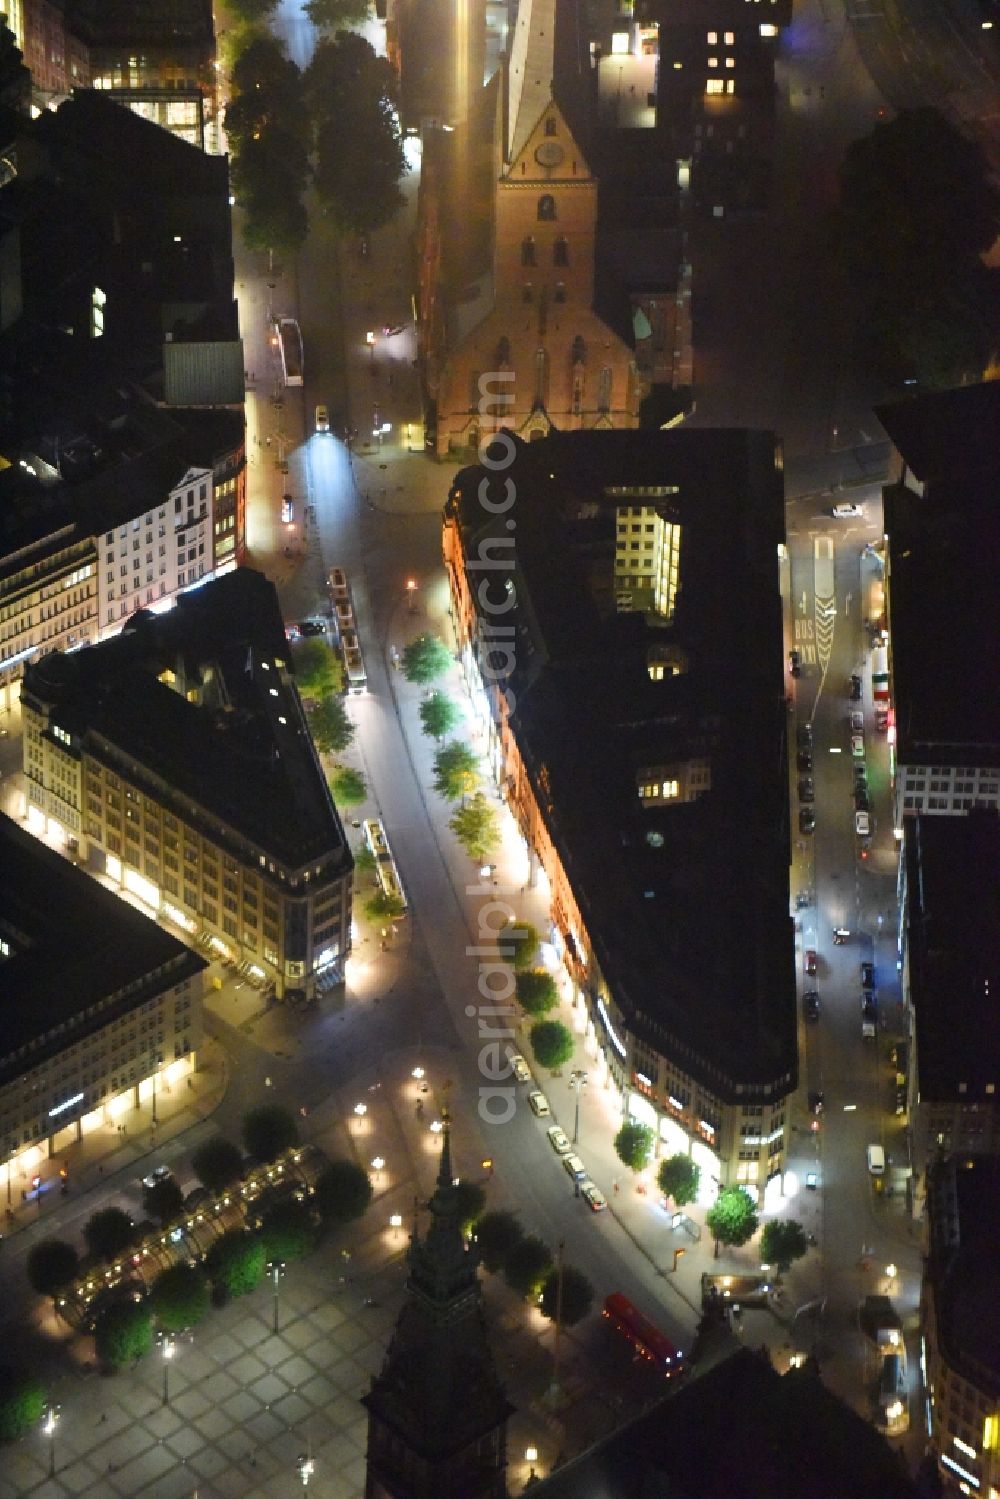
686 903
241 756
73 943
953 914
103 23
946 433
739 1431
963 1204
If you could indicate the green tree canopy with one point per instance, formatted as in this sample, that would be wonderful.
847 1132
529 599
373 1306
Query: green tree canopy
364 860
109 1232
52 1265
383 907
218 1164
288 1231
679 1177
425 658
456 770
123 1333
477 828
551 1043
268 1130
536 991
318 672
496 1234
359 149
438 715
179 1297
22 1402
634 1144
577 1296
470 1200
269 136
343 1192
782 1243
348 787
236 1262
526 1266
732 1219
518 944
253 11
334 15
163 1201
330 726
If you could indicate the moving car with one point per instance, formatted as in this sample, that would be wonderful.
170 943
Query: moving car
558 1140
574 1167
858 746
593 1196
812 961
807 820
857 722
815 1103
807 790
868 975
322 419
810 1003
539 1104
869 1017
520 1068
158 1174
876 1160
311 627
847 512
855 687
862 824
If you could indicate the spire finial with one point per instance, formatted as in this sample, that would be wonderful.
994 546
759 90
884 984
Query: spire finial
445 1175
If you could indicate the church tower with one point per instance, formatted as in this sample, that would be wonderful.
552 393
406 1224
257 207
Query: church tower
437 1413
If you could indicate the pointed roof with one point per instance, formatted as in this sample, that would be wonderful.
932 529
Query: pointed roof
438 1389
531 69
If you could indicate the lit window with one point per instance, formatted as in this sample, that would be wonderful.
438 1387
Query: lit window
713 62
730 39
714 86
713 38
671 788
730 86
730 62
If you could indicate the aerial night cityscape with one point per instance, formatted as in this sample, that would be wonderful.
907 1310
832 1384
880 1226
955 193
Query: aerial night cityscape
499 749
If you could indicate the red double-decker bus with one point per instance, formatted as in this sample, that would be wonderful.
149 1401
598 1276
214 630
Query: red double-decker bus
646 1339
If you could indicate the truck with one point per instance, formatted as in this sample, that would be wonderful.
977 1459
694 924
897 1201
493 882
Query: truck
880 677
880 1322
290 350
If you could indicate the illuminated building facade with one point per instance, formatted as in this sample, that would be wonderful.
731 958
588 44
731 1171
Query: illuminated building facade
101 1008
640 744
176 759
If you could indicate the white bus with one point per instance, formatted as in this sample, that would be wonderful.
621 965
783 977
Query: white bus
385 866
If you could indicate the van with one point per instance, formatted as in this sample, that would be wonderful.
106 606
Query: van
574 1167
876 1160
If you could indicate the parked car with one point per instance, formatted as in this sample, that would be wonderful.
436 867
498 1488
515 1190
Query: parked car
811 961
558 1140
868 975
807 820
861 799
795 663
311 627
858 746
804 761
574 1167
804 736
855 687
539 1104
593 1196
520 1069
807 790
862 824
857 722
847 512
810 1003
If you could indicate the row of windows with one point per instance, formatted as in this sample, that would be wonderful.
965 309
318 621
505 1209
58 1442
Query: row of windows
529 251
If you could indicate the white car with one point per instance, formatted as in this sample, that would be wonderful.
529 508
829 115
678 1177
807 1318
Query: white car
558 1140
539 1104
847 512
862 824
322 419
593 1196
858 746
520 1068
574 1167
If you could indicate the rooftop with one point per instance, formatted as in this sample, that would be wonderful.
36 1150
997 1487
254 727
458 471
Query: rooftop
946 433
72 943
200 700
964 1264
698 956
952 866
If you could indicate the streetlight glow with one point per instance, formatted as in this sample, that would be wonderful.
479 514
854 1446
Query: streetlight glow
361 1109
531 1454
396 1220
418 1073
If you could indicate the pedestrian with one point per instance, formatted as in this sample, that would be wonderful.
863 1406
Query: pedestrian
614 1187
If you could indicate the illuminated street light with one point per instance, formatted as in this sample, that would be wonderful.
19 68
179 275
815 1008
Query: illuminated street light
436 1127
577 1081
277 1269
361 1109
396 1220
49 1428
531 1454
418 1073
306 1467
168 1353
411 591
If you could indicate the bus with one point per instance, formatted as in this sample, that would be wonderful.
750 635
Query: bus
646 1339
290 350
357 677
385 864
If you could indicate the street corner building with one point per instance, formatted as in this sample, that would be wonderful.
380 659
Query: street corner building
175 759
99 1004
616 601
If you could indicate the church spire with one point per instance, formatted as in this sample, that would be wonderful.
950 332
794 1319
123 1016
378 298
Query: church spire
530 70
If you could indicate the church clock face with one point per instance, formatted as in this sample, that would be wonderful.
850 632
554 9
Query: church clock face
549 154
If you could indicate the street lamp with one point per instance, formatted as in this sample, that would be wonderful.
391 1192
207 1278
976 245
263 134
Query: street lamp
306 1468
49 1428
411 594
377 1165
577 1081
168 1353
361 1110
418 1073
277 1269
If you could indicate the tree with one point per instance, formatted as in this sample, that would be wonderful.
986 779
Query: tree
496 1234
536 991
527 1265
163 1201
335 15
634 1144
383 907
470 1200
477 828
359 150
268 1130
318 673
438 715
577 1296
288 1231
364 860
456 770
733 1218
269 135
348 787
52 1265
517 944
252 11
123 1333
109 1232
782 1243
551 1043
425 658
218 1164
343 1192
179 1297
330 726
236 1262
22 1403
679 1177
